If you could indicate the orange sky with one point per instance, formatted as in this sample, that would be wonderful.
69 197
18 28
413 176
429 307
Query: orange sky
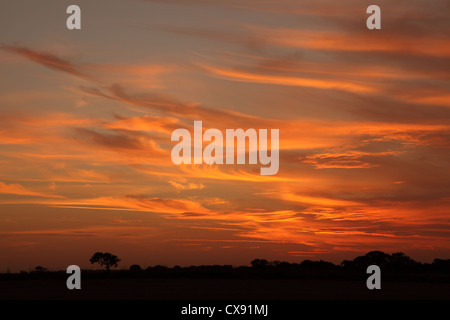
86 118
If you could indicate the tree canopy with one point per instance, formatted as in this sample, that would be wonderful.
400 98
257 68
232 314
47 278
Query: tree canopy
105 259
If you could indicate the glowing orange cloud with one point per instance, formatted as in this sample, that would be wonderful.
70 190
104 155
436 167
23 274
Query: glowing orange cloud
17 189
289 81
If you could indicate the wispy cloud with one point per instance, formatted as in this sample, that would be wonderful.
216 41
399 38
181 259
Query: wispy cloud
46 59
17 189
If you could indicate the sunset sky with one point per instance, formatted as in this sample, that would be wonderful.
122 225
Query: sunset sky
86 118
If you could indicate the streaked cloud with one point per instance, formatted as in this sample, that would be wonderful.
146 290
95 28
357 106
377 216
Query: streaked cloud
17 189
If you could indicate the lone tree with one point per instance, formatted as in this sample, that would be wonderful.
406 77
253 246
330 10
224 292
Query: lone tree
105 259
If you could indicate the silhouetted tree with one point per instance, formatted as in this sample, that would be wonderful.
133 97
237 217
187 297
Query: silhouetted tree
275 263
378 258
105 259
396 262
135 268
40 269
440 265
401 262
259 263
317 265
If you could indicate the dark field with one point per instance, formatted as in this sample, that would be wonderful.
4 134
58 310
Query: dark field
401 279
221 289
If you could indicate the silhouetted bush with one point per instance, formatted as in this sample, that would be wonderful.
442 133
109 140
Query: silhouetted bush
259 263
40 269
440 265
135 268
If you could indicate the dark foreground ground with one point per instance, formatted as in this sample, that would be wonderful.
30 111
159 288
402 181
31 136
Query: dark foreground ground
221 289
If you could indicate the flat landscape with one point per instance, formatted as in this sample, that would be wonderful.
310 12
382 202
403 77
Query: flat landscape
220 289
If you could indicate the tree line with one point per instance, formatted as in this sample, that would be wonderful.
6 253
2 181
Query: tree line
396 265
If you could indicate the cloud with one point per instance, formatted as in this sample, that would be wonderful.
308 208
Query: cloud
288 81
17 189
188 186
21 128
91 231
345 160
314 200
174 107
138 75
357 41
144 124
46 59
114 141
169 207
